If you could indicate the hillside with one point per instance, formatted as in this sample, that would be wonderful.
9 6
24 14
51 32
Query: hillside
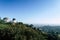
19 31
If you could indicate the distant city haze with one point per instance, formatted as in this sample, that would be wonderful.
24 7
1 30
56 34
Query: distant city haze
32 11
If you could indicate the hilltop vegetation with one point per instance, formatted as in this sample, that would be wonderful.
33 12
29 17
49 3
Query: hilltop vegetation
21 31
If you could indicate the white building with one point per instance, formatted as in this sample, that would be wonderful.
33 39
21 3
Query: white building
6 19
13 21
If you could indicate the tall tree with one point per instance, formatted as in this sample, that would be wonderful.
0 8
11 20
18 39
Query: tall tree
31 25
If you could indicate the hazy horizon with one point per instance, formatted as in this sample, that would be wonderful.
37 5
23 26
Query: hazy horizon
32 11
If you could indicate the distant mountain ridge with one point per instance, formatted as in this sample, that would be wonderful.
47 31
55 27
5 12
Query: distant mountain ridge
50 28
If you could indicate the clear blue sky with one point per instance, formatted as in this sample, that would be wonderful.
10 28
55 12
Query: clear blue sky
32 11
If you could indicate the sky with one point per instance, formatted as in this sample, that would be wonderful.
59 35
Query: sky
31 11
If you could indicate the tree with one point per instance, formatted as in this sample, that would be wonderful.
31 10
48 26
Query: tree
38 29
31 25
26 25
34 28
0 18
20 22
56 35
